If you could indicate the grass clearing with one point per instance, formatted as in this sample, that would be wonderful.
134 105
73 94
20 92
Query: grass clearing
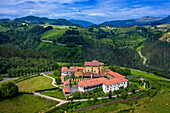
57 93
25 103
35 83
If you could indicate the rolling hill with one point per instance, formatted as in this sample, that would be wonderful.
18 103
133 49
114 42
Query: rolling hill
45 20
82 22
141 21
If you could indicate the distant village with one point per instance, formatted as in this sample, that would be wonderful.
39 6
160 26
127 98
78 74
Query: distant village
91 76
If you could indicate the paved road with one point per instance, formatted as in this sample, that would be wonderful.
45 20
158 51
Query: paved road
7 79
48 97
53 82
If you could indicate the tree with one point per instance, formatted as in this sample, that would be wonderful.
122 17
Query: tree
8 90
94 99
72 76
55 73
110 94
123 95
55 66
76 95
58 80
133 91
10 73
127 71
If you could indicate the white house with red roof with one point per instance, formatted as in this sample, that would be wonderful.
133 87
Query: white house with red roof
107 85
97 75
67 72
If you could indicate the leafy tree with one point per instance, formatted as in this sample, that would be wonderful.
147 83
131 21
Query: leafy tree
8 90
94 99
55 66
55 72
123 95
110 94
133 91
72 76
58 80
76 95
127 71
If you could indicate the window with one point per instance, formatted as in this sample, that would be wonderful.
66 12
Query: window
88 70
95 71
107 86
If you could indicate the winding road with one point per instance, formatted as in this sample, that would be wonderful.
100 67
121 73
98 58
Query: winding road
144 59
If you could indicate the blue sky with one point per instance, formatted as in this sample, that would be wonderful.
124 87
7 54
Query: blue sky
96 11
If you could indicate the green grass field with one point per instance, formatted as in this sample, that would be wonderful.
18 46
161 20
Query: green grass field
57 93
52 34
157 100
35 83
25 103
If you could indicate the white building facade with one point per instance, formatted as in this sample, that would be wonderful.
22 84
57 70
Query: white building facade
105 84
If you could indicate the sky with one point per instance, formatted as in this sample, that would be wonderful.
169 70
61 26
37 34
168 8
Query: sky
96 11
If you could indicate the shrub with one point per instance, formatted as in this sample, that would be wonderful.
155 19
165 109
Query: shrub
133 91
121 87
8 90
127 71
123 95
76 95
95 99
110 95
58 80
55 73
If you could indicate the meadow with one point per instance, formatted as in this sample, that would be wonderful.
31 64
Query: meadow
35 83
25 103
57 93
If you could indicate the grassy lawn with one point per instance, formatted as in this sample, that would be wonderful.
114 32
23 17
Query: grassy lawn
57 93
155 101
35 83
25 103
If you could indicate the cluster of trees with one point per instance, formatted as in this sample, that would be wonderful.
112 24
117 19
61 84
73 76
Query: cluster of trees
16 66
120 51
8 90
120 70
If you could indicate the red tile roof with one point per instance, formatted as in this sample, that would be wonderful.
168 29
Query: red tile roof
93 63
92 82
106 70
97 81
115 80
65 69
66 82
88 74
115 74
66 90
72 69
79 68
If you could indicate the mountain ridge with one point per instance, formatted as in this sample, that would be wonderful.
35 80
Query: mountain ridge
145 20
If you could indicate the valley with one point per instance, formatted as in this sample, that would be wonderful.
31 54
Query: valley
31 46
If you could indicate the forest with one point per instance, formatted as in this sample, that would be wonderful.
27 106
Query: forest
23 51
